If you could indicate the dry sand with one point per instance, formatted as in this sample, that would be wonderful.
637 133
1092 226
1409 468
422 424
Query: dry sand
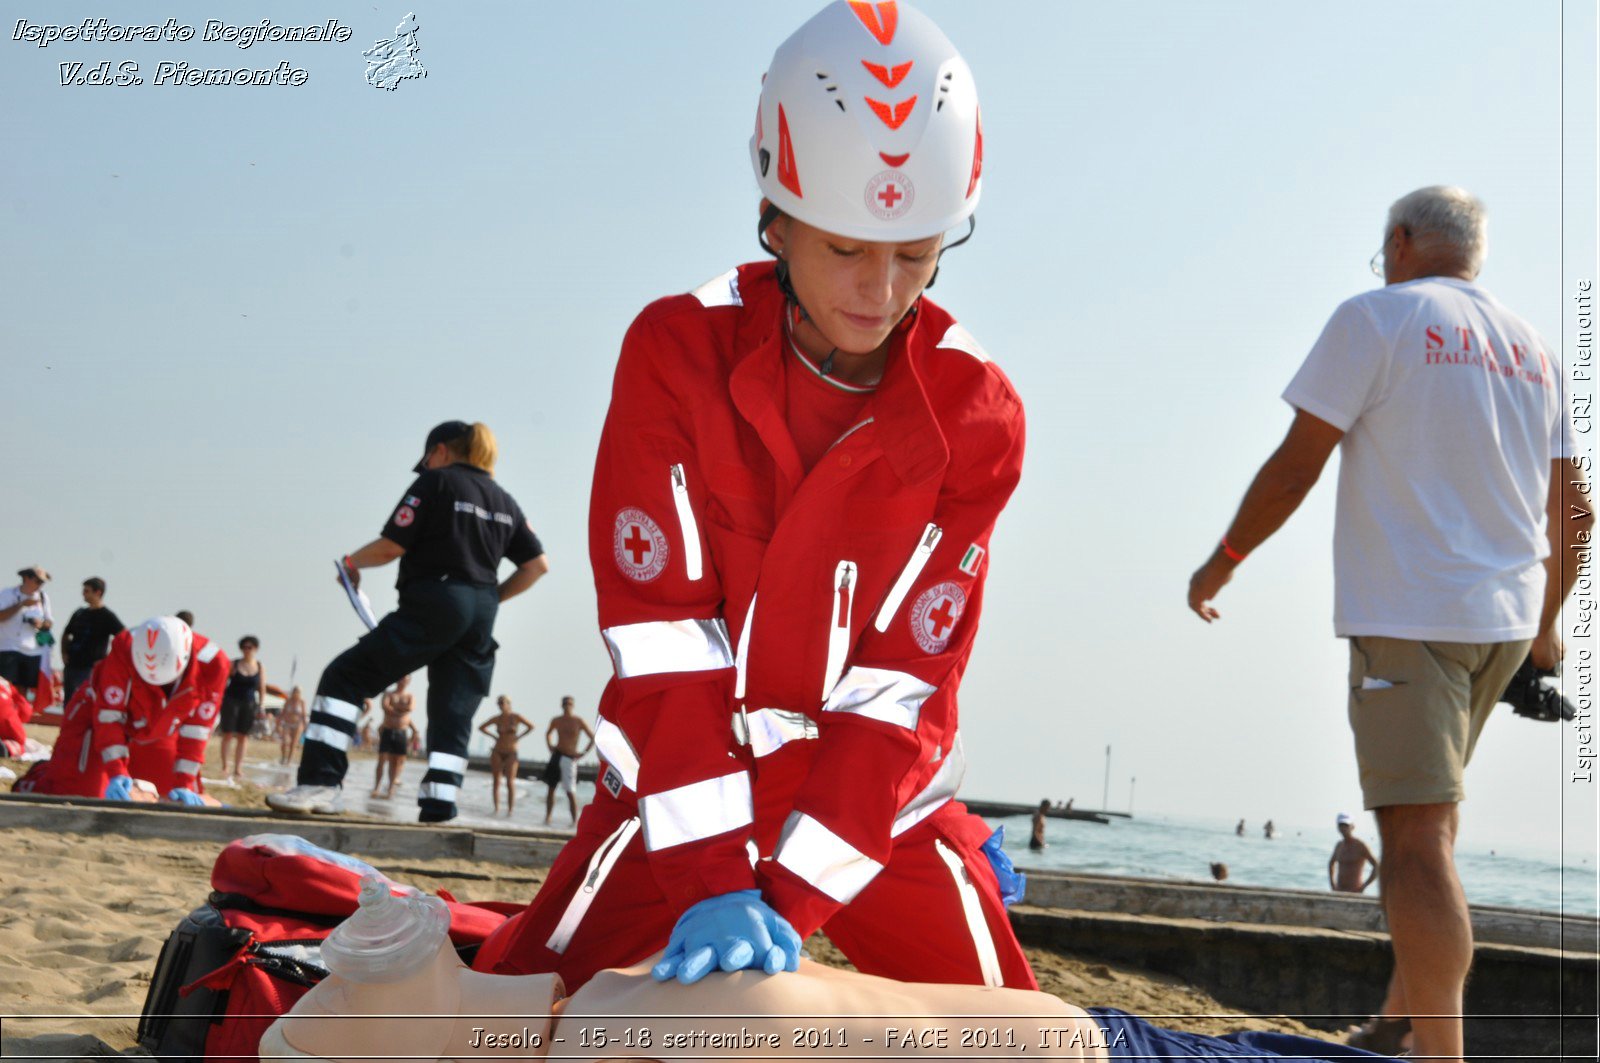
82 920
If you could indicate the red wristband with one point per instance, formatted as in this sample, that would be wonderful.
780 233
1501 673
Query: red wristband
1230 553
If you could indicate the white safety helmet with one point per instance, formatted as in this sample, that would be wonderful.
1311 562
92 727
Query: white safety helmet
868 126
161 649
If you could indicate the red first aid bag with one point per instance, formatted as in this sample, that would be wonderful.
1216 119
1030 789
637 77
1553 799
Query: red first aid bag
243 958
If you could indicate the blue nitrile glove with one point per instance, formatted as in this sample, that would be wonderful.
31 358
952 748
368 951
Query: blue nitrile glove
120 788
732 932
185 797
1013 883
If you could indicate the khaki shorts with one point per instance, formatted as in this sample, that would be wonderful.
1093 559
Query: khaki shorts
1417 709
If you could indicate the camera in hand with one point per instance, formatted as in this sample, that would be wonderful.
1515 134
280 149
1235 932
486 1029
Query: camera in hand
1528 695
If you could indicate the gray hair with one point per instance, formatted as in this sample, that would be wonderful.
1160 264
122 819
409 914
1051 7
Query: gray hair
1449 215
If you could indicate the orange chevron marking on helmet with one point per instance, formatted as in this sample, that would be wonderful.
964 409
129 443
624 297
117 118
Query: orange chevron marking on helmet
788 174
150 635
894 117
977 155
890 76
880 19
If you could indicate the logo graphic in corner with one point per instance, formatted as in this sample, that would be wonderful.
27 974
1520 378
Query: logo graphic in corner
638 545
394 60
612 781
934 616
889 194
972 560
114 697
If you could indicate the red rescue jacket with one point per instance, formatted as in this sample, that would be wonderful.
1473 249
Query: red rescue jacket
787 645
114 710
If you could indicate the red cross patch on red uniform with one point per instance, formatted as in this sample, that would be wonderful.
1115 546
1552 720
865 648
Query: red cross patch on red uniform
114 696
638 545
934 616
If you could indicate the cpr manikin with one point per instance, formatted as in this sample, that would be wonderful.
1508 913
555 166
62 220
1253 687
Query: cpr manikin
397 990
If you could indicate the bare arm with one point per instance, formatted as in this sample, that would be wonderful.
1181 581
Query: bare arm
483 728
1569 525
526 575
377 553
1367 852
1277 491
527 728
587 734
12 610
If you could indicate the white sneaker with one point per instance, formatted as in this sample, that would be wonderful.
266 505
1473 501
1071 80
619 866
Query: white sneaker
305 799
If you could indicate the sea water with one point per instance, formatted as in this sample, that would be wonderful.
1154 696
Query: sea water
1151 846
1181 849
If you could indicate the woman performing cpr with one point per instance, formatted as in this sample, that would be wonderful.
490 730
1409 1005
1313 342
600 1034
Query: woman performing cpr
789 527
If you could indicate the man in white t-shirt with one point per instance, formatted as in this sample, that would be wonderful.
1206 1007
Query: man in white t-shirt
1459 506
24 613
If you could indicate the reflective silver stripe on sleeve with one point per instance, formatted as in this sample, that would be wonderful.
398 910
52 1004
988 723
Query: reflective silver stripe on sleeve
940 789
824 859
692 566
880 694
697 811
207 655
194 730
769 730
186 767
334 707
111 716
328 736
613 745
439 791
908 575
668 646
448 762
111 753
972 908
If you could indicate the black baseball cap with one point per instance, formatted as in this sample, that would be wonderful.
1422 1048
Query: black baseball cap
448 432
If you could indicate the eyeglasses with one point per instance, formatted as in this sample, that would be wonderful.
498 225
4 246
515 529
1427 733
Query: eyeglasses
1376 264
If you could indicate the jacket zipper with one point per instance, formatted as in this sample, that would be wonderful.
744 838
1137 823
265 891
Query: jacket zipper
908 575
844 579
600 864
691 530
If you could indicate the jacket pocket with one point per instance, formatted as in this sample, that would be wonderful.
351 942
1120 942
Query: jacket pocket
692 563
844 589
908 575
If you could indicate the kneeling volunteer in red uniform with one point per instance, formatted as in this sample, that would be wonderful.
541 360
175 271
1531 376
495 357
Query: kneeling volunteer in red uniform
789 525
145 712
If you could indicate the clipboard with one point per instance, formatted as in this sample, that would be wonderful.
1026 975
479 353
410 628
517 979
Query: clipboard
358 598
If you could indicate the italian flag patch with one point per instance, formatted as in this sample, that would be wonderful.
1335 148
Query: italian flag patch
971 560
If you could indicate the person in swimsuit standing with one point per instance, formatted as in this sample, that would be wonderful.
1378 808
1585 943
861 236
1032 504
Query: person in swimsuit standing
247 685
394 736
506 729
562 737
291 725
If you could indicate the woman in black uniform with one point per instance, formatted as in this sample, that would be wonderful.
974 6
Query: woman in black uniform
449 532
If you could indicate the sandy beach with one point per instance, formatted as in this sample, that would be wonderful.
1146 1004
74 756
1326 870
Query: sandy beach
82 920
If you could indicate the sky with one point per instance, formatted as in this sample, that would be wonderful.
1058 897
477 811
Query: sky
229 315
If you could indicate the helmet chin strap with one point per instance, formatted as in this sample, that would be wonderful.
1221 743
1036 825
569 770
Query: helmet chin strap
785 285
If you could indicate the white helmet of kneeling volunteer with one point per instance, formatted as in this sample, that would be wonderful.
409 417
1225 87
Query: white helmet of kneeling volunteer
868 126
161 648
